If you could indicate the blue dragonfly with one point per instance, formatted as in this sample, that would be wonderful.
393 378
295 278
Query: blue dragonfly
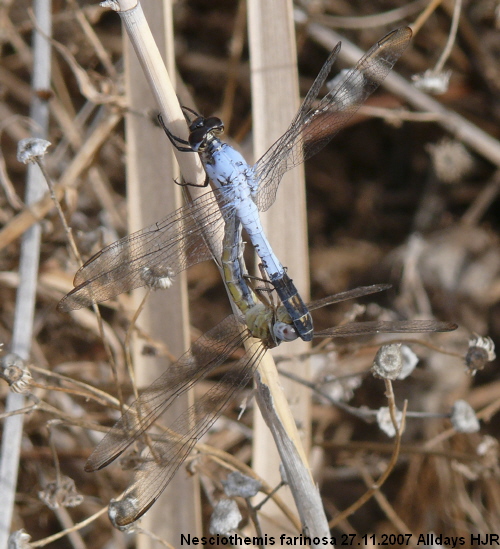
154 255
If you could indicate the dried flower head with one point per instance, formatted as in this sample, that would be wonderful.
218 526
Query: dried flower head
333 386
450 159
488 450
31 149
19 539
388 362
464 418
225 518
410 361
432 82
13 369
481 351
157 277
60 493
486 466
238 484
119 509
385 423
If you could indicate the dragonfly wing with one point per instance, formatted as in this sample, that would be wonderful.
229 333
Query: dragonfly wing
313 128
168 452
207 353
151 256
382 326
349 294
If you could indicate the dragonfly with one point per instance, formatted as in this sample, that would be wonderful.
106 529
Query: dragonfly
166 452
154 255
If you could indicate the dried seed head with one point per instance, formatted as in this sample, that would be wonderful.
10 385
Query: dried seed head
157 277
410 361
13 369
19 539
481 351
432 82
450 159
238 484
334 386
60 494
488 445
486 466
388 362
31 149
225 518
385 423
120 509
464 418
488 450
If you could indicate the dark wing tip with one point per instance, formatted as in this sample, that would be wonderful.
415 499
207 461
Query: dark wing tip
88 468
76 299
447 327
402 34
95 461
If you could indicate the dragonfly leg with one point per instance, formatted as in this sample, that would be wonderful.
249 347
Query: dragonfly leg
186 184
265 288
262 278
261 290
175 140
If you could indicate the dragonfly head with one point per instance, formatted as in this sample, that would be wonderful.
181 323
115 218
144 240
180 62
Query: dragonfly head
284 332
283 328
202 130
269 325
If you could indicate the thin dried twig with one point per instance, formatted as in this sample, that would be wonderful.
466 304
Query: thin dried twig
451 37
50 539
28 268
385 475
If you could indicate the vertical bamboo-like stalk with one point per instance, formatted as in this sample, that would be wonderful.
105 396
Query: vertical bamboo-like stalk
28 272
151 195
275 101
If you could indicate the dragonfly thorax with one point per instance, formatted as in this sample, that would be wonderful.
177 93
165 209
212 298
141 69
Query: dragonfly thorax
203 130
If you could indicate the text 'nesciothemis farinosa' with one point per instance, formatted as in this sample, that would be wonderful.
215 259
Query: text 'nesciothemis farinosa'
166 452
154 255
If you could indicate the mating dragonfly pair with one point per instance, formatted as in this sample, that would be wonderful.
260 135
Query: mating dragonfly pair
153 256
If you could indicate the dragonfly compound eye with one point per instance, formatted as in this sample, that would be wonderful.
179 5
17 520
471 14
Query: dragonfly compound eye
214 125
198 122
198 138
285 332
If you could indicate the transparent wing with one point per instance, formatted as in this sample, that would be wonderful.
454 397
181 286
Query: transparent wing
349 294
206 354
168 452
381 326
151 256
311 128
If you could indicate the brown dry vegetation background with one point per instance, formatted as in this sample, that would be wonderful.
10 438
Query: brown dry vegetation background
389 200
